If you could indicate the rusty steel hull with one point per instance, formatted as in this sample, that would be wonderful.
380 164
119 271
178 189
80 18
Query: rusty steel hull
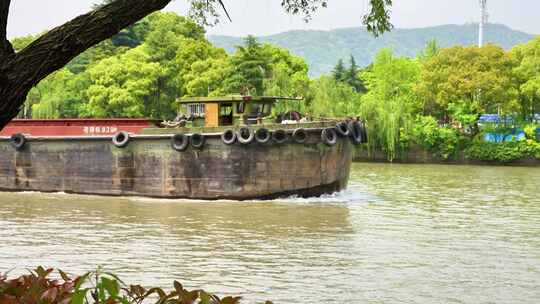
148 166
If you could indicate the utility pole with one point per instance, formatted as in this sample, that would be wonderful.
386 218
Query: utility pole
483 21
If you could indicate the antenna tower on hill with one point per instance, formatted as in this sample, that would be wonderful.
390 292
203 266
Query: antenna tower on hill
483 21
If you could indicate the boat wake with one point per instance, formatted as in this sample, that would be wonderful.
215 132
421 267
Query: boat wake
348 196
343 197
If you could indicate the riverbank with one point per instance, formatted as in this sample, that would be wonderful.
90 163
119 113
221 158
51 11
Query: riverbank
418 155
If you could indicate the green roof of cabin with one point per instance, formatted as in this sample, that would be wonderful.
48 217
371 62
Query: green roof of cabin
236 98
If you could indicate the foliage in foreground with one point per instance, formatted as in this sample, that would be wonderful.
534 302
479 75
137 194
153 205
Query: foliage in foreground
39 287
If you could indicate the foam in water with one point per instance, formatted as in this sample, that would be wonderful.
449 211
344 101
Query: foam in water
348 196
343 197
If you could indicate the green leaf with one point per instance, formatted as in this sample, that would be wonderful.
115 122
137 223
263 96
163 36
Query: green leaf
79 296
111 286
230 300
81 280
205 298
115 277
64 276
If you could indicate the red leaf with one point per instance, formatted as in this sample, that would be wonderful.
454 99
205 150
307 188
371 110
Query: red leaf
49 295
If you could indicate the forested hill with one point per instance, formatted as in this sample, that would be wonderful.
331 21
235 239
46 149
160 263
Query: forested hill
322 49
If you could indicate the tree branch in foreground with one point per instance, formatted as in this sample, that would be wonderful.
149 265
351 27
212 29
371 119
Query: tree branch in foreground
5 47
59 46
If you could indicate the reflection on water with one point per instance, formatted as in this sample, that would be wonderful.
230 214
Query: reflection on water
401 233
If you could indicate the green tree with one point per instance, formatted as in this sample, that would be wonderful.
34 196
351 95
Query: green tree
334 99
191 60
60 95
288 77
20 43
50 94
261 68
251 66
353 77
339 72
432 49
285 60
350 75
165 32
390 105
179 37
167 35
124 86
93 55
527 73
282 83
133 35
205 77
478 79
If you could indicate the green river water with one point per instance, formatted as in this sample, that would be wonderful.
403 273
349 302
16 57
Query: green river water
399 234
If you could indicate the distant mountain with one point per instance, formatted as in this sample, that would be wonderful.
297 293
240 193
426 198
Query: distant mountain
322 49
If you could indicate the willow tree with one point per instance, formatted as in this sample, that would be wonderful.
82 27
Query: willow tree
20 71
390 104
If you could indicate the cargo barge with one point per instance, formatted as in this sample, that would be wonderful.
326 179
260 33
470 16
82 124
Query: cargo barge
217 148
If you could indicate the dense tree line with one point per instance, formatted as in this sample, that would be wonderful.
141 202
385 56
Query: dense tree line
436 99
433 100
142 72
21 70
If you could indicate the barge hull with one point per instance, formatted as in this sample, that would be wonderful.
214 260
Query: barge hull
148 166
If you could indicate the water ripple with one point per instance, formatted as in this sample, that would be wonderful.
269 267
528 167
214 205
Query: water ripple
401 233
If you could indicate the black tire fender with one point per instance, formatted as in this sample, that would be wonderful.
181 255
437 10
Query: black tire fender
329 137
279 136
263 135
17 141
228 137
179 142
356 132
121 139
245 135
300 135
364 134
197 140
343 129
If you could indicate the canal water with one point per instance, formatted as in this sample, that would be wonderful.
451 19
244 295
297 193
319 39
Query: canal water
400 234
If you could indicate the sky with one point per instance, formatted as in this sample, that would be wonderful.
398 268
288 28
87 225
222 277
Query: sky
265 17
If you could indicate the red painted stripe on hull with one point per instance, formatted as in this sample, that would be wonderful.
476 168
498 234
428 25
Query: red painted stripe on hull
76 127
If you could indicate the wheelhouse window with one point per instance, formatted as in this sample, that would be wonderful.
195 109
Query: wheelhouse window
225 109
196 109
225 114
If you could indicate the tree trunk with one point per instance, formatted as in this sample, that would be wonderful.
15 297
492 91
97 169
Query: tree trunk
19 72
5 46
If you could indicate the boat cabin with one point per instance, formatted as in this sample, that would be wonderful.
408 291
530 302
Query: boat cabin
227 111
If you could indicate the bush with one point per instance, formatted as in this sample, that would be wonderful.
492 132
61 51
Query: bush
530 131
498 152
95 288
504 152
530 148
442 141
